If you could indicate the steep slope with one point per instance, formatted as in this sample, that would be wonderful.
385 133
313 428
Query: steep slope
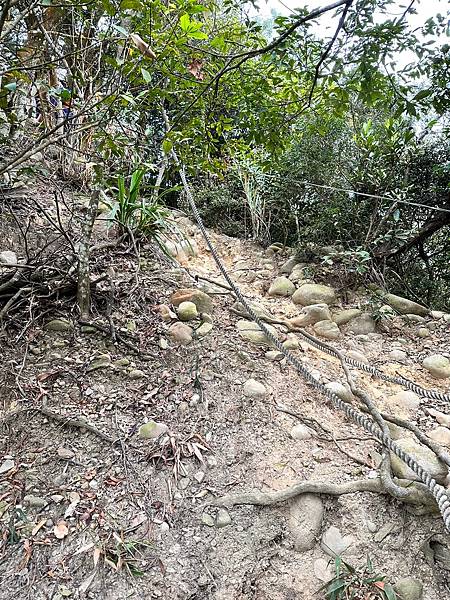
84 513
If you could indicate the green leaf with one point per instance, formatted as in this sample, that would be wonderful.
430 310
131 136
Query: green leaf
334 586
146 75
423 94
185 22
198 35
131 5
167 146
389 592
120 29
11 87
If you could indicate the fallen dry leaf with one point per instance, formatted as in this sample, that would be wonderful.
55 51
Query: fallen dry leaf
61 530
38 526
97 552
86 583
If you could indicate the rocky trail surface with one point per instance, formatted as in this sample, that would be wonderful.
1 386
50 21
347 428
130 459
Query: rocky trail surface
116 498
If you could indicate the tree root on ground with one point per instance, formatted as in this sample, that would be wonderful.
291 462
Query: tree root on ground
418 494
303 487
77 422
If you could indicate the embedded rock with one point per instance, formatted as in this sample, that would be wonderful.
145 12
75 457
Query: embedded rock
441 435
344 316
152 430
334 543
438 366
187 311
274 355
136 374
254 389
301 432
8 257
180 333
358 356
305 520
440 417
291 343
281 286
297 274
59 325
288 266
362 325
423 332
250 331
327 329
409 589
310 315
343 391
167 315
203 330
423 455
405 306
404 404
103 361
314 293
201 300
223 518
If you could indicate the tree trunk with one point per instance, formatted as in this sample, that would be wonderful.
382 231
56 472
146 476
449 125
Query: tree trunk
84 281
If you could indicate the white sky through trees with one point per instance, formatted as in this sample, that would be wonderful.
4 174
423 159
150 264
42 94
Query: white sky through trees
425 8
326 24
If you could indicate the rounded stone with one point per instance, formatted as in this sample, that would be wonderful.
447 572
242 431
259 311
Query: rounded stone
405 306
438 365
8 257
398 356
223 518
305 520
310 315
362 325
136 374
203 330
314 293
327 329
152 430
250 331
187 311
423 455
404 403
344 316
281 286
340 390
288 266
409 589
301 432
441 435
180 333
59 325
254 389
201 300
291 343
423 332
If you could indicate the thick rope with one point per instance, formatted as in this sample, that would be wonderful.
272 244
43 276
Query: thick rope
438 491
328 349
410 385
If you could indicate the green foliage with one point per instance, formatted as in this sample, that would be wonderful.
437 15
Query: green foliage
350 583
137 217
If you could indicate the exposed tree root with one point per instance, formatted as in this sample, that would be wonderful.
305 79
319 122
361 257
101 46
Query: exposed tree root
77 422
303 487
418 494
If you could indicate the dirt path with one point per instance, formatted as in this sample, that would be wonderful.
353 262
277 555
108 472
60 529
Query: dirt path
144 506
